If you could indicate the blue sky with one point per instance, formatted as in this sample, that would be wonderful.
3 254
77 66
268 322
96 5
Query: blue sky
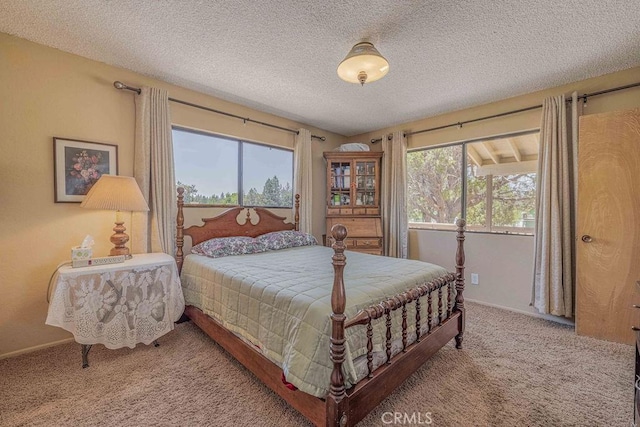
211 163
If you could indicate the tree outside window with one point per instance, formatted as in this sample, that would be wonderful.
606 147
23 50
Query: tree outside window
500 195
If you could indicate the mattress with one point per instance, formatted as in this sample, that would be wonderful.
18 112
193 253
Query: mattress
280 301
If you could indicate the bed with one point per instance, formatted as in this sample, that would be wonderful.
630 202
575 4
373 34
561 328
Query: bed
284 314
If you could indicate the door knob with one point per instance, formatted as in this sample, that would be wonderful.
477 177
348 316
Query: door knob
586 238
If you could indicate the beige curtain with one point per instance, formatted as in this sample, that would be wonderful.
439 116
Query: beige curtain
394 190
303 177
553 288
154 171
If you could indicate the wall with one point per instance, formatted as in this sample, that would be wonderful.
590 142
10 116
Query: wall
504 263
47 93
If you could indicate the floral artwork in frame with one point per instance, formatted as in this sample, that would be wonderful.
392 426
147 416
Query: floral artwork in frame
78 165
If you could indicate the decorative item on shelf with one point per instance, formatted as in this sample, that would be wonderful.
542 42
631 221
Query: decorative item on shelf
116 193
347 177
363 64
338 172
369 182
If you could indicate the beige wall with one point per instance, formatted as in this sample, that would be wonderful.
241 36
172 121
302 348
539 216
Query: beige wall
47 93
504 263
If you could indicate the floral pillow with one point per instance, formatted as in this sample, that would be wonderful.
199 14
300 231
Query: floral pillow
286 239
226 246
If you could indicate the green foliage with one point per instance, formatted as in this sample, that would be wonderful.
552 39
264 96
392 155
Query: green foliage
434 182
514 197
434 185
273 194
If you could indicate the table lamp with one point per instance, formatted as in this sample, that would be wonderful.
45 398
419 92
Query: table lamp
116 193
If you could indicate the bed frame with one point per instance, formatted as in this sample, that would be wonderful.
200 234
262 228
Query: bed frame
341 407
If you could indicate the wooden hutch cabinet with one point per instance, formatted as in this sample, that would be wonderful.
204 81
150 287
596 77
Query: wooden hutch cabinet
353 198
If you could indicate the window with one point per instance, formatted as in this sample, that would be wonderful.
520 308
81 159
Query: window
215 170
500 183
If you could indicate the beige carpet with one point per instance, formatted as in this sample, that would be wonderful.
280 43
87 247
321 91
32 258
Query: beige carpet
514 371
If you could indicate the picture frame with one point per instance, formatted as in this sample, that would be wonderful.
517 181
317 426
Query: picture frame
78 165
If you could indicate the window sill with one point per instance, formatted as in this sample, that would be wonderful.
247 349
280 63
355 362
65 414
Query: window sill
202 205
449 227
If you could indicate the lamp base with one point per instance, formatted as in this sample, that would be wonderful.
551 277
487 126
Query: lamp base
120 239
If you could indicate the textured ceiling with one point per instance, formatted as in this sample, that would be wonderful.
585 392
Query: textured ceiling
281 56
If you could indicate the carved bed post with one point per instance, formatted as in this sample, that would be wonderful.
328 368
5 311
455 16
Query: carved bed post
337 405
179 230
459 306
296 215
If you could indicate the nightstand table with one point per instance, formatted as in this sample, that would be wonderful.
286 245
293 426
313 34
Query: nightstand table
118 305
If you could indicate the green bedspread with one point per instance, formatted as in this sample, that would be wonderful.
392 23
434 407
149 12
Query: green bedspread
281 302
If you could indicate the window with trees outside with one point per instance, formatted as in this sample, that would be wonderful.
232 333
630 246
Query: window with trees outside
494 187
216 170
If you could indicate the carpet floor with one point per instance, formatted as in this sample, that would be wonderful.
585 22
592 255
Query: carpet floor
514 370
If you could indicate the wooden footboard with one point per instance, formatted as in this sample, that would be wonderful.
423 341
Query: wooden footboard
346 408
343 407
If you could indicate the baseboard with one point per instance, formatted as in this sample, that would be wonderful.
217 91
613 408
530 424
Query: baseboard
34 348
549 317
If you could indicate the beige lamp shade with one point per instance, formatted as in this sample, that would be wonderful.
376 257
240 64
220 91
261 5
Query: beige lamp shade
363 64
115 193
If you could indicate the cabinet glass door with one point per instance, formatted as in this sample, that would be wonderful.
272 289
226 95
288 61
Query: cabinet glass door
340 183
365 183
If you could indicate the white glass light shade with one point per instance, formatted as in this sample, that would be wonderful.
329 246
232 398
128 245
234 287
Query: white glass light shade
115 193
363 64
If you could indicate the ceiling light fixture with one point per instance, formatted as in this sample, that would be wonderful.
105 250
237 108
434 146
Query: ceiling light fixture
363 64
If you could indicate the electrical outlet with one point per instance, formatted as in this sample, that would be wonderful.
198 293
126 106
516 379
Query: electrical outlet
475 279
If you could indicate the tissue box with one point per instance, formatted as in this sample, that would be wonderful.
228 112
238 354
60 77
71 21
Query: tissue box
79 253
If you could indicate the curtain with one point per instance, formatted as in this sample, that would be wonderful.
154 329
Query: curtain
553 278
393 191
303 177
154 171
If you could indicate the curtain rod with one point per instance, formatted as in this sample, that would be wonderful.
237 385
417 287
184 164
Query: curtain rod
521 110
122 86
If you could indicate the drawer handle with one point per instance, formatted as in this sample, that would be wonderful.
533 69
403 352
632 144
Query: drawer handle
635 306
635 328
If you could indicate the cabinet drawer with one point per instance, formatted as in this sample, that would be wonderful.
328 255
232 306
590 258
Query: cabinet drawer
368 243
349 243
341 211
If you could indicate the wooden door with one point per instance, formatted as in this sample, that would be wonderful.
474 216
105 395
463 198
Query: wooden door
608 231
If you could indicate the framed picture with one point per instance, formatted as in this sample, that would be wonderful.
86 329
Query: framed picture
78 165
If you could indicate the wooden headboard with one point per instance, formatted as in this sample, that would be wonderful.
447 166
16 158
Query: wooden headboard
226 224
